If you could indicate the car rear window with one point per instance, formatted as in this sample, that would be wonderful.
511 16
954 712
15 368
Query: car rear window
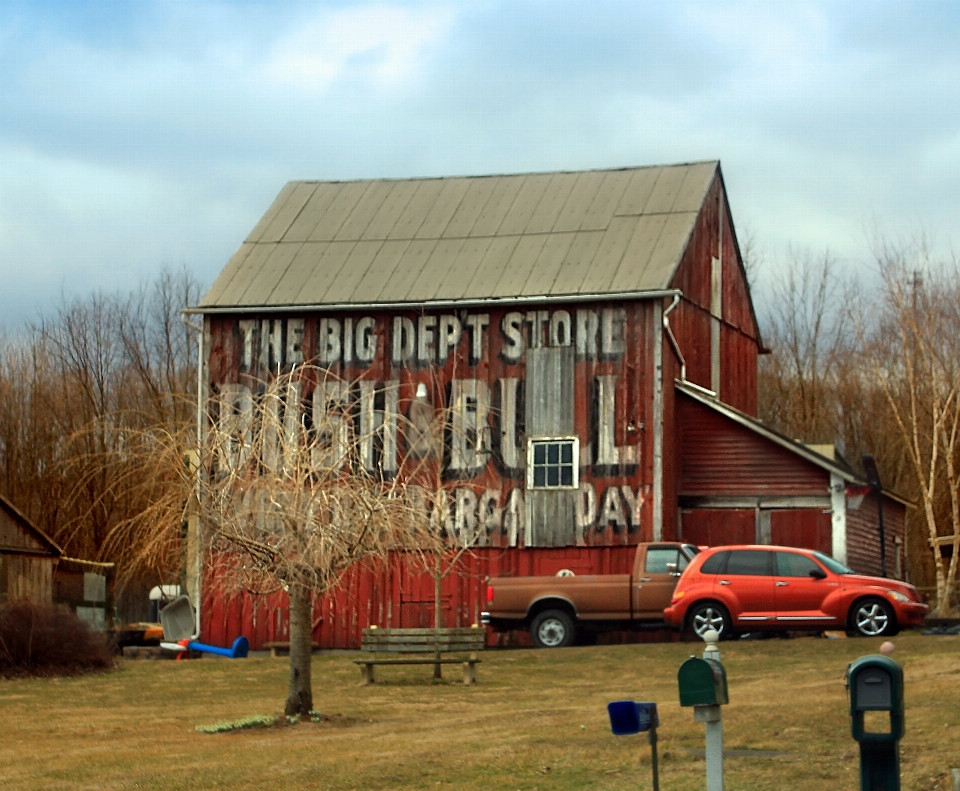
749 561
715 564
790 564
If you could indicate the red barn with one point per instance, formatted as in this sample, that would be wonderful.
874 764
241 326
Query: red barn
594 335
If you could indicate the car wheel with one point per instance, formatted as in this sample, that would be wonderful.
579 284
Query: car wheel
552 629
872 618
710 615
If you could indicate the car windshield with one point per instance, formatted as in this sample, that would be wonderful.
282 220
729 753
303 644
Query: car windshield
834 565
690 550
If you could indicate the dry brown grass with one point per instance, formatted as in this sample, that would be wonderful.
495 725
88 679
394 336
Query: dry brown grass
537 720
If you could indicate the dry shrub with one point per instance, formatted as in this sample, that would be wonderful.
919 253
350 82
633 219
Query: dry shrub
45 640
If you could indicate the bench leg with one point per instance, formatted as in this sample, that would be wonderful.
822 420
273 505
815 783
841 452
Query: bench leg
367 671
273 652
469 673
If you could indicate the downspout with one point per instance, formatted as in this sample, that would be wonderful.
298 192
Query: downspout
676 348
196 563
673 340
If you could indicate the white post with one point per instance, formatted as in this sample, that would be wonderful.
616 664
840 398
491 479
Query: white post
713 722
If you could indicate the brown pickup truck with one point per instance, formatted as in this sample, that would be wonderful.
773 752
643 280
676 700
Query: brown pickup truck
556 609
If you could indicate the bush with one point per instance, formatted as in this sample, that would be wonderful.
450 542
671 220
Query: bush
45 640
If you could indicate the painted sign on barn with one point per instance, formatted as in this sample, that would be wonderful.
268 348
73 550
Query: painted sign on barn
547 409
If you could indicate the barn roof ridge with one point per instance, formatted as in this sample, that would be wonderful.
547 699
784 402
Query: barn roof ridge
454 239
25 522
506 174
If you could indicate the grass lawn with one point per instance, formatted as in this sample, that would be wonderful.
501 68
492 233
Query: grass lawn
537 720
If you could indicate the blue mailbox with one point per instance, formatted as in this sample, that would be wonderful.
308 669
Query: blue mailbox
628 716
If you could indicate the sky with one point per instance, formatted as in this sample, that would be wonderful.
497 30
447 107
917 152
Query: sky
141 135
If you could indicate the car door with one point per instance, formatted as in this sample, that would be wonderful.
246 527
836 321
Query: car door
747 583
799 595
654 587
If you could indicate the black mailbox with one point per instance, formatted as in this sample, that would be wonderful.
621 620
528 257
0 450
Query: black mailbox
876 684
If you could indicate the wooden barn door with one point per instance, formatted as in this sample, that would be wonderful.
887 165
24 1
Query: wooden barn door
549 413
714 527
807 528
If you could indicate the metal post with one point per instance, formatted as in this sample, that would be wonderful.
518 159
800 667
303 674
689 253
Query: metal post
713 722
653 757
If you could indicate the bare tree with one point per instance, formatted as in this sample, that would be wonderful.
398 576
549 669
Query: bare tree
914 353
809 332
285 496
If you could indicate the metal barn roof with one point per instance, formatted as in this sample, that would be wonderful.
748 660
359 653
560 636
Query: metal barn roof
455 240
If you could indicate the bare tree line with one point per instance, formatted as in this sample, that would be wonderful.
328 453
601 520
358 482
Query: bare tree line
75 387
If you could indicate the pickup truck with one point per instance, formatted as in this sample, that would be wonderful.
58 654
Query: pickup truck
555 609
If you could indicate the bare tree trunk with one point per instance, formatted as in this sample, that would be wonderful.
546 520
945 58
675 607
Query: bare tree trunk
300 690
437 616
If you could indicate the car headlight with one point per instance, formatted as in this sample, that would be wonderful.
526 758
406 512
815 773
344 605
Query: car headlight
677 596
897 596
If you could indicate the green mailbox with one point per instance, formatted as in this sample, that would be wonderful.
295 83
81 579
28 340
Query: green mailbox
702 682
875 684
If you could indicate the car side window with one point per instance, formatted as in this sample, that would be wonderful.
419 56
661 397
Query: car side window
715 564
749 561
790 564
659 557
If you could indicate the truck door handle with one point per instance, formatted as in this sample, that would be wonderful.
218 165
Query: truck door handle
782 584
724 582
646 579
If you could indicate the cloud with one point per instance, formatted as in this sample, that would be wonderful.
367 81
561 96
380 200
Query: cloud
137 134
385 45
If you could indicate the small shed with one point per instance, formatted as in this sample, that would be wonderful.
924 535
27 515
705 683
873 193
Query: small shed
86 587
27 558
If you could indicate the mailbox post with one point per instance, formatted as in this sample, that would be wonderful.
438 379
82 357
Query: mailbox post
703 685
875 684
627 717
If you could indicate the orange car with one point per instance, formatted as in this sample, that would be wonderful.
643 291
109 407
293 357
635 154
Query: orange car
740 589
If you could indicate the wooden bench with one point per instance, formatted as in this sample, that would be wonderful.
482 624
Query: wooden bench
467 640
283 649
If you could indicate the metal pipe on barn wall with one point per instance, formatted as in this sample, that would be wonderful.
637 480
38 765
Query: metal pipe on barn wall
194 544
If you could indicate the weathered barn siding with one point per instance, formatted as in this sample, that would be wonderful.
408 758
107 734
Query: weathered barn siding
863 536
720 458
27 577
27 558
583 370
398 594
802 527
713 527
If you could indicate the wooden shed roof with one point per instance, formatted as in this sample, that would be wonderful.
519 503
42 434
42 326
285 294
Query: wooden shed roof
18 534
416 242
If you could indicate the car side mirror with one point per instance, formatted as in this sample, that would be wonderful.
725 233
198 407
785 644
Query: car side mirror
818 574
672 570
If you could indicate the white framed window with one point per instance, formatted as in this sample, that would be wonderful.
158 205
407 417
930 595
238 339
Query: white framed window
553 463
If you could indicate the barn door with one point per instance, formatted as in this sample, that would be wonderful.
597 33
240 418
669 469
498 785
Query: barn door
714 527
549 411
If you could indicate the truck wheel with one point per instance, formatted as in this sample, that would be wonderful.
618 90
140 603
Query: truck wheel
709 615
872 618
552 629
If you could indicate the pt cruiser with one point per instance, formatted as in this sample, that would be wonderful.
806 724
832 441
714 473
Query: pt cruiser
740 589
